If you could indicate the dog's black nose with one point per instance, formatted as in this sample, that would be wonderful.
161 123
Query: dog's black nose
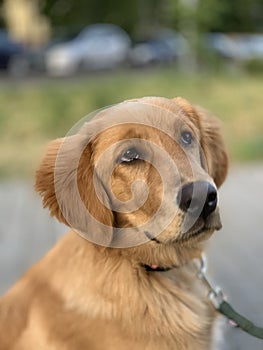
198 198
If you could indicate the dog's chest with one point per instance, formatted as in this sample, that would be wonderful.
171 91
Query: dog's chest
169 312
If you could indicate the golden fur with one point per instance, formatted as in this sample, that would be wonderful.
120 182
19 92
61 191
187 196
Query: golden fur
88 294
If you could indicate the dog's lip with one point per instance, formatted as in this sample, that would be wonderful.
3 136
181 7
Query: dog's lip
198 234
201 229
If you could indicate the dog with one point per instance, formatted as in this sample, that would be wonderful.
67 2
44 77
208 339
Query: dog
137 185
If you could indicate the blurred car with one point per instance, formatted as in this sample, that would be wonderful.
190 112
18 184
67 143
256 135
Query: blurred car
239 47
164 47
250 46
16 59
98 46
221 44
9 51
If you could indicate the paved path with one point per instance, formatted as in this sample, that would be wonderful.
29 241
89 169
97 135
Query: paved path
235 253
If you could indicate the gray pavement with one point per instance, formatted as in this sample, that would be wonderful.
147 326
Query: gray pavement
235 253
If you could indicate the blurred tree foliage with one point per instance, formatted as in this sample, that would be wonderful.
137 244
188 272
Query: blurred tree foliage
77 14
143 16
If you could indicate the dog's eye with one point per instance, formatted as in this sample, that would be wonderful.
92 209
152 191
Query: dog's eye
186 138
130 156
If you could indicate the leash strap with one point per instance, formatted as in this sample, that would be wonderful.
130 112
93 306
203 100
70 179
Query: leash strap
217 298
226 309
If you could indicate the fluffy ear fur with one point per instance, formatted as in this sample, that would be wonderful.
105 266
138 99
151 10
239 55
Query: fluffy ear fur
67 182
212 142
213 146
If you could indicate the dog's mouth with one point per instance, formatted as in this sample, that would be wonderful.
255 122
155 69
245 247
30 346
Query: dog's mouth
198 235
201 230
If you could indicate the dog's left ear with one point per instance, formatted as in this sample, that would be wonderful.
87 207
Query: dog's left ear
212 143
213 146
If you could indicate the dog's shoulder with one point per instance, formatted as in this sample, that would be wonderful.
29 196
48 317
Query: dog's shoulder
14 311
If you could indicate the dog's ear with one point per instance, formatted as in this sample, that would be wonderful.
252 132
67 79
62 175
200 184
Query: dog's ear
213 147
70 188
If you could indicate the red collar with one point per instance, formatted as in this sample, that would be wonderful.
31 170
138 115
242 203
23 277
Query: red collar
155 268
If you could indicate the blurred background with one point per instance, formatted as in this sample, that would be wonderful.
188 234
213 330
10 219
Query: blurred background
60 60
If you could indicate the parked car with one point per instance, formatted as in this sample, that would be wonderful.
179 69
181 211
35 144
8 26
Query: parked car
98 46
9 50
165 46
239 47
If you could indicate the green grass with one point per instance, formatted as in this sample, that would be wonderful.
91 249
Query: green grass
31 113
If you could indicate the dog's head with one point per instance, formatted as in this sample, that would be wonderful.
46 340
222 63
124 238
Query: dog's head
142 174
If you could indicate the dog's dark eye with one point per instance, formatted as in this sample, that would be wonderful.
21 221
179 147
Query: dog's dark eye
130 155
186 138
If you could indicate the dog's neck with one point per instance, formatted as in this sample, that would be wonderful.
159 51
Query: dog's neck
97 281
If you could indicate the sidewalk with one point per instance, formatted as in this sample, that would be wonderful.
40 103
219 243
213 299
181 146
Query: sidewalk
235 253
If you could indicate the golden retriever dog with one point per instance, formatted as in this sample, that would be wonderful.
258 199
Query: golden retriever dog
137 185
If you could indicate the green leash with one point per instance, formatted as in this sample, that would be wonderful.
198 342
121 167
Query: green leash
218 300
242 322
